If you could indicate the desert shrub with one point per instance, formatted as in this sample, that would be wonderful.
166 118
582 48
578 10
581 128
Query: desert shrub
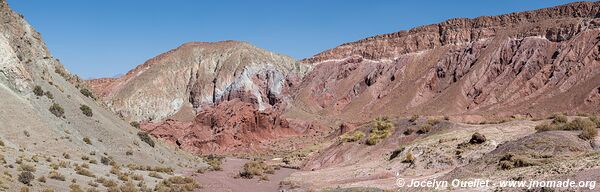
41 179
108 183
409 158
155 175
596 120
86 92
214 162
579 124
26 177
75 188
381 129
433 121
1 143
56 176
413 118
86 110
128 187
135 124
546 127
49 95
177 183
27 167
255 168
589 133
145 137
129 152
137 177
510 161
559 118
425 128
105 160
83 171
395 153
87 140
57 110
477 138
38 91
353 137
409 131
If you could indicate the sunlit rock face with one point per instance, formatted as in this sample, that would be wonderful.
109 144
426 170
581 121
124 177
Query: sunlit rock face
181 82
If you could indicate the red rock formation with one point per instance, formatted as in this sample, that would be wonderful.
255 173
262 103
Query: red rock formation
536 62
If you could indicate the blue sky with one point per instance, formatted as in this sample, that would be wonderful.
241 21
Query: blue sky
103 38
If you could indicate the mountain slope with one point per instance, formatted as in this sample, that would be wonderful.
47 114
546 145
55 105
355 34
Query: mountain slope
42 115
197 74
531 63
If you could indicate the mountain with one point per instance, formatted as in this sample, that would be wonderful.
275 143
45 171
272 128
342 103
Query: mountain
449 100
530 63
501 75
208 97
49 118
180 82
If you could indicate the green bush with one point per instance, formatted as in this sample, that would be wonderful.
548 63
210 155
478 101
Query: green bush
38 91
355 136
381 129
86 92
57 110
86 110
146 138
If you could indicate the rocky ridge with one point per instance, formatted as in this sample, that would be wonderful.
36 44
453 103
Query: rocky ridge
45 114
529 63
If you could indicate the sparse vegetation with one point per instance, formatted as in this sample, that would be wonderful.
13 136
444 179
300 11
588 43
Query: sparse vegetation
409 158
38 91
86 110
559 118
135 124
214 162
413 118
425 128
57 110
255 168
382 128
145 137
86 92
87 140
589 133
177 183
353 137
83 171
56 176
26 177
510 161
105 160
49 95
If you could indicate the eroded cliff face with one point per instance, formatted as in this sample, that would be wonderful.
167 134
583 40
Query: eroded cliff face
41 114
530 63
181 82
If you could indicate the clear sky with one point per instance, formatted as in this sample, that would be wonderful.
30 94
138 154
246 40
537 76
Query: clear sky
103 38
